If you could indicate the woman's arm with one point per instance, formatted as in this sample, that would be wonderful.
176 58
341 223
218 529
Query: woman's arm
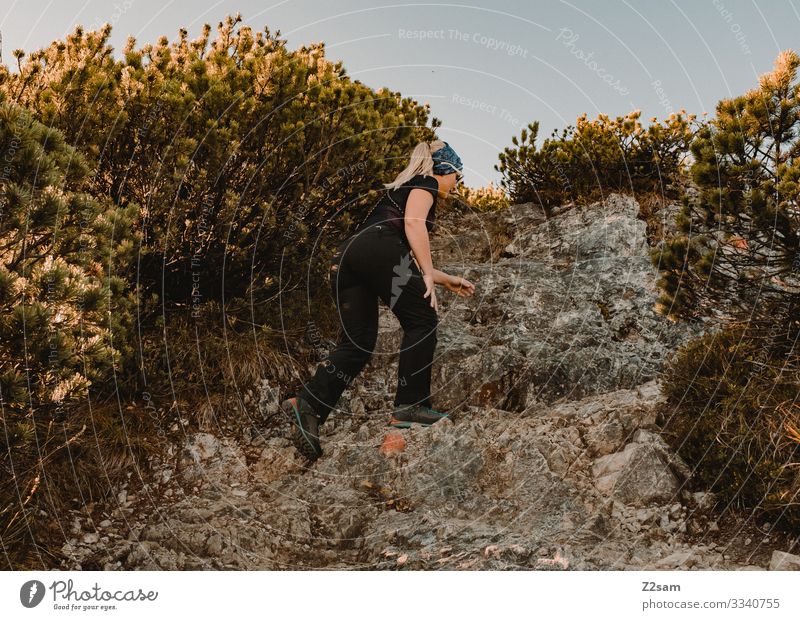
417 207
440 277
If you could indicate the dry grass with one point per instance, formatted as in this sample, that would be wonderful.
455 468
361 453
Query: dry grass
734 416
651 207
58 466
50 468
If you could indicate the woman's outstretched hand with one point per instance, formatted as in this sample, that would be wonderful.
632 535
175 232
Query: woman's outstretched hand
460 286
430 290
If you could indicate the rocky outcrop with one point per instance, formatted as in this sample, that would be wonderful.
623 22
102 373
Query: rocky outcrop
784 561
489 489
551 458
565 309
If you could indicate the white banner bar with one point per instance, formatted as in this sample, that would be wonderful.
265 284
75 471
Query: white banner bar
400 594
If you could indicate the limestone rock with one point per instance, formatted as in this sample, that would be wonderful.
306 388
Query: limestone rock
784 561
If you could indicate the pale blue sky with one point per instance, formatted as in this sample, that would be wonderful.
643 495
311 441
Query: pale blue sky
486 68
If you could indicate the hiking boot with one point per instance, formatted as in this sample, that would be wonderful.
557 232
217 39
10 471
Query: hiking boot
406 415
305 427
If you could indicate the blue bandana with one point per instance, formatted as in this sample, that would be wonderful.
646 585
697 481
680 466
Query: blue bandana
446 161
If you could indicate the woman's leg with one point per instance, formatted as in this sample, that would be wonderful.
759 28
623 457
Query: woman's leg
358 315
419 322
392 273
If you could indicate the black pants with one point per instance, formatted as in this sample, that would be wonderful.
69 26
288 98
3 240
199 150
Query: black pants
376 263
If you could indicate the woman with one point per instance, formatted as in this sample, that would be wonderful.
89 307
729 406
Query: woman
387 257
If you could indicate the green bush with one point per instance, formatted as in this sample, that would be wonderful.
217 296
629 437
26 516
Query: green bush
594 157
249 161
65 257
736 261
740 241
64 261
485 199
243 155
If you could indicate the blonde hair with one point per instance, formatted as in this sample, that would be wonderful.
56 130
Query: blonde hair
421 163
